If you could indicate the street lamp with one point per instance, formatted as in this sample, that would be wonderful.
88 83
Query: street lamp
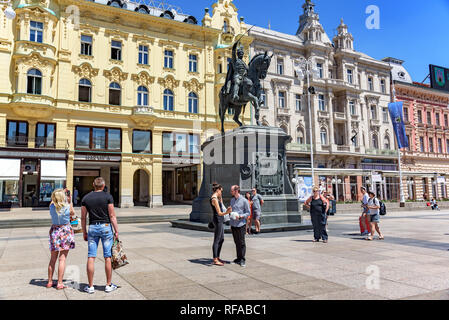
9 11
306 68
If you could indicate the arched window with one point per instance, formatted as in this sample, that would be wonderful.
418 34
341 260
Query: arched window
375 142
142 96
225 26
85 91
34 82
115 3
387 143
299 136
115 92
323 136
142 9
168 100
193 102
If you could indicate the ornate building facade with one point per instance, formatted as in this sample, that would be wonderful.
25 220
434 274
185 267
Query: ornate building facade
425 164
112 88
352 132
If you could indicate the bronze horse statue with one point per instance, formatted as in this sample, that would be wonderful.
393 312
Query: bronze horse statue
250 90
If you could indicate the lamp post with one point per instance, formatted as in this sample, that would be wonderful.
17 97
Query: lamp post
9 11
306 68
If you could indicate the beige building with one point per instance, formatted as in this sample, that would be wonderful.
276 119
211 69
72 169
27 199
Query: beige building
352 132
111 88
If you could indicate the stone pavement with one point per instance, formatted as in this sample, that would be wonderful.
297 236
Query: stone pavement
169 263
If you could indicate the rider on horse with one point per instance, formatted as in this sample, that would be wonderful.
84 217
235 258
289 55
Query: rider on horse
238 72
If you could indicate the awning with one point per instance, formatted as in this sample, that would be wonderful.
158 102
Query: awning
9 169
53 170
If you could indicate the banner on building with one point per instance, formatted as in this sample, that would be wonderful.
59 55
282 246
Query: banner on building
397 118
439 78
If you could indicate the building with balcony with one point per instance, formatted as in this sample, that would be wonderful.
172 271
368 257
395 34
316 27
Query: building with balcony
114 88
352 133
425 164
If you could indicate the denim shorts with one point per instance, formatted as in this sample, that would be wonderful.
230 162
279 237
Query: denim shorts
374 218
97 232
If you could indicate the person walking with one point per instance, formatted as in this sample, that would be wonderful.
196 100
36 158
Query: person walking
216 202
257 209
318 213
249 221
240 206
434 204
100 207
62 237
374 215
365 210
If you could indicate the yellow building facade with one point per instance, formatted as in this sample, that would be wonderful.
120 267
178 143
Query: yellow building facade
113 89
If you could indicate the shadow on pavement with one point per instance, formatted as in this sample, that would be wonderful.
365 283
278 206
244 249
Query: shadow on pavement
203 261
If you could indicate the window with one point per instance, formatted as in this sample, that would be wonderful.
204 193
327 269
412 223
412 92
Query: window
319 66
168 100
168 59
446 124
180 143
143 55
375 142
429 118
141 141
193 63
220 68
354 139
419 116
84 91
382 86
430 144
193 102
281 99
385 114
440 145
142 96
86 45
45 135
280 66
437 119
447 146
350 77
387 143
98 138
370 84
116 50
36 31
330 74
352 107
17 134
408 139
34 82
114 94
263 98
321 103
406 115
421 144
373 112
323 136
225 27
298 103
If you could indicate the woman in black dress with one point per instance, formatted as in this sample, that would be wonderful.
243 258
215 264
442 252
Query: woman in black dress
318 213
219 211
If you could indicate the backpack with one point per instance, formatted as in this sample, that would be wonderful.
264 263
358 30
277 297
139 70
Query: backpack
383 208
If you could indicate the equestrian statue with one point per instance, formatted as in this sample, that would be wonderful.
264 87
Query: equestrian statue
243 84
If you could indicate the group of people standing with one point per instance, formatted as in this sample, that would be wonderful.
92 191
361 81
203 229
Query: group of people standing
240 214
99 206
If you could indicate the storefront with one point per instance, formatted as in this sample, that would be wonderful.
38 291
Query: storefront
27 178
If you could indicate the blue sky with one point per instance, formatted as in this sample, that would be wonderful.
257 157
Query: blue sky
414 31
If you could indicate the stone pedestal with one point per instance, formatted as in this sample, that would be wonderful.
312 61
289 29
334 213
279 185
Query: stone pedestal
249 156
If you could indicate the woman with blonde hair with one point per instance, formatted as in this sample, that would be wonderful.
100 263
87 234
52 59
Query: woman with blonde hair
319 206
62 237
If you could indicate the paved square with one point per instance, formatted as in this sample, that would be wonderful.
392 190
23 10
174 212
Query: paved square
168 263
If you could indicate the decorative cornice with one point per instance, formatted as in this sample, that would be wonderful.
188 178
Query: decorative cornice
143 78
116 33
115 74
169 43
169 82
85 70
138 37
193 85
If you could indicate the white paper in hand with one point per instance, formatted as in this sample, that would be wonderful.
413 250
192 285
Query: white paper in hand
234 215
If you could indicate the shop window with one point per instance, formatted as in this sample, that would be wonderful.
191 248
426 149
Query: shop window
98 138
85 91
17 134
45 135
34 82
9 191
141 141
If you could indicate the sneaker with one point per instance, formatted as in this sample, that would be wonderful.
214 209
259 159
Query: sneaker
236 261
110 288
89 290
243 264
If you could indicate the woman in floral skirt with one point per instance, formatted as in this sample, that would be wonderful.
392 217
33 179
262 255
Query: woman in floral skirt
62 237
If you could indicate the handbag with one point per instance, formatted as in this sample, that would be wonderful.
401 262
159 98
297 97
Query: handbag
76 225
118 258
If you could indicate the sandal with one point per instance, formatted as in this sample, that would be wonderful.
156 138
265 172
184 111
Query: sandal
61 287
49 285
218 263
369 239
381 238
221 261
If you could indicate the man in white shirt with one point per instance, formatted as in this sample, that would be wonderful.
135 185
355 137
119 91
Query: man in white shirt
365 211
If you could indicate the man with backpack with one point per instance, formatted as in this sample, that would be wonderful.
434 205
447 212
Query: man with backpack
375 207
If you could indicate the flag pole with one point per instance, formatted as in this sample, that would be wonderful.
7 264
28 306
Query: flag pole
401 189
